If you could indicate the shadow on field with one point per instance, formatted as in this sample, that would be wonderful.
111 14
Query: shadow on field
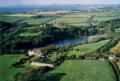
54 77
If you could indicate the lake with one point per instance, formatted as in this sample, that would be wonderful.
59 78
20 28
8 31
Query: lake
71 42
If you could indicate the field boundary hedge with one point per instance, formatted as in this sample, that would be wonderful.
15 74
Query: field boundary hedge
115 69
52 19
109 45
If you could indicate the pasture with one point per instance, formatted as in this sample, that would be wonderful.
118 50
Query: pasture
51 12
13 18
74 18
83 18
7 72
26 18
81 50
30 31
82 70
26 34
20 15
38 21
86 49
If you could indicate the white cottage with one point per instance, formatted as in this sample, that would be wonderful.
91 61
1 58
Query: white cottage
112 57
35 52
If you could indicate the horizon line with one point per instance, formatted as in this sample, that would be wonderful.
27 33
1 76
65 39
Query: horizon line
56 4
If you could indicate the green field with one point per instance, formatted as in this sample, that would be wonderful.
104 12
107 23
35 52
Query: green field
82 18
26 34
75 19
20 15
13 18
80 50
82 70
72 19
7 72
86 48
104 18
30 31
28 18
38 20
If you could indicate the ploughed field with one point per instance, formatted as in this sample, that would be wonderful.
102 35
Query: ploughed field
82 70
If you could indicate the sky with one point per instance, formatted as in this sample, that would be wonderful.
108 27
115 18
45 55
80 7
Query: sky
59 2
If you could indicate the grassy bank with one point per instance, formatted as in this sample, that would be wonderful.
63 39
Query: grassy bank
82 70
7 72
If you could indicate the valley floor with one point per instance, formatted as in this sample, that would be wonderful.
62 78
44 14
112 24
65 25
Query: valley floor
82 70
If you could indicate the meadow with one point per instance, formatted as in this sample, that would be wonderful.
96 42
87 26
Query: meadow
82 70
20 15
26 34
30 31
7 72
83 18
74 18
25 18
38 20
86 49
81 50
12 19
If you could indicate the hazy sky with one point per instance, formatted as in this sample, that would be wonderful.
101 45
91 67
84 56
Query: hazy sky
48 2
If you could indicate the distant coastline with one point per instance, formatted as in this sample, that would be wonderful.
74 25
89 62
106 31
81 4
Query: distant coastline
77 7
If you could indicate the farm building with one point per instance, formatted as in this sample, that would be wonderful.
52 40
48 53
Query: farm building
35 52
38 64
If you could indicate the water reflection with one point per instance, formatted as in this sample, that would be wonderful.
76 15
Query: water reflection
67 42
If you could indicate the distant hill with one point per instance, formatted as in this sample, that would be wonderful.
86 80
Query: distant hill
78 7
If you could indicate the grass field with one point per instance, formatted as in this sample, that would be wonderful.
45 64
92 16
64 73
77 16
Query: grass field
82 18
80 50
13 18
30 31
26 34
6 72
20 15
38 20
72 19
104 18
82 70
86 48
75 19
